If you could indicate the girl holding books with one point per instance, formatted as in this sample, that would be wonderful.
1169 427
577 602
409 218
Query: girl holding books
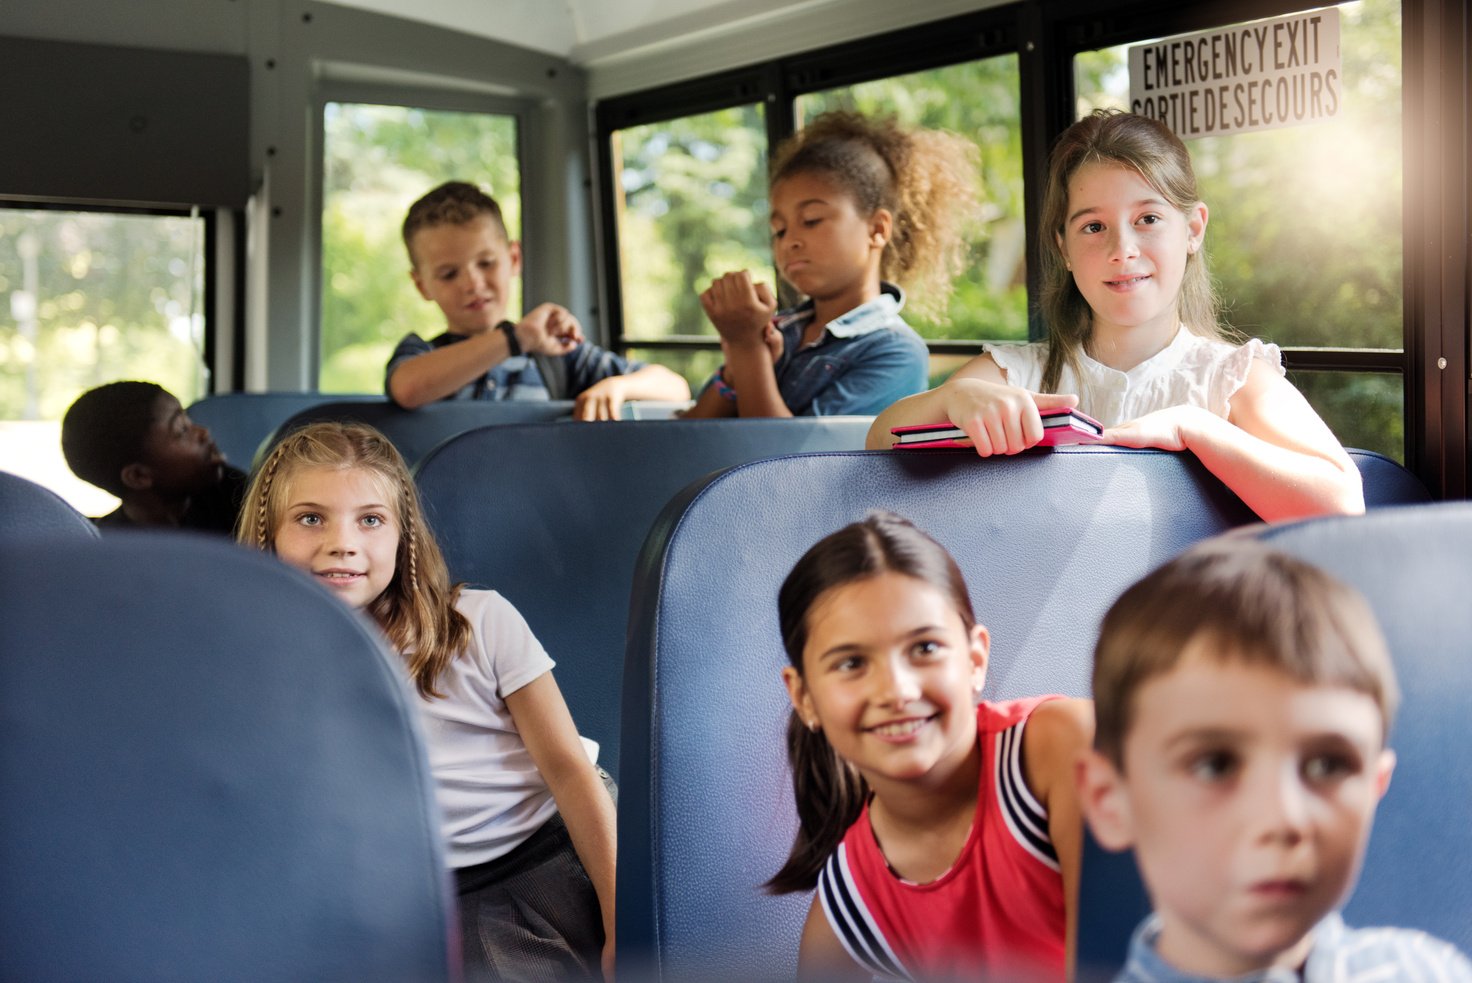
1134 338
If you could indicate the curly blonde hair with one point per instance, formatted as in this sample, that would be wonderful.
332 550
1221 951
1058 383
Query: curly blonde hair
926 179
417 609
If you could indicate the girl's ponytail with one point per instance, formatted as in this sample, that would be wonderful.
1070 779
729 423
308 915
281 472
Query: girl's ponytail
830 794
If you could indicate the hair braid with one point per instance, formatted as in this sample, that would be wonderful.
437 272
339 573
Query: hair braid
263 496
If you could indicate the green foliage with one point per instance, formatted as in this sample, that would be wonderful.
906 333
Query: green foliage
694 207
91 298
377 161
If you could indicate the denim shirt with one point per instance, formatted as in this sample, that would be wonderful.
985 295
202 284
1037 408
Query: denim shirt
1339 955
865 360
518 378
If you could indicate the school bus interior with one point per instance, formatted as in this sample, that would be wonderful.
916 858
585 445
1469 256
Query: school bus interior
208 194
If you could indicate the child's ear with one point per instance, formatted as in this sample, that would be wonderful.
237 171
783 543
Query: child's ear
513 251
797 692
137 476
881 227
1062 250
1384 766
981 648
1101 797
419 283
1196 218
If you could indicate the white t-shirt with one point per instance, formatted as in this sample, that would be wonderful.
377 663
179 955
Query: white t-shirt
490 793
1190 371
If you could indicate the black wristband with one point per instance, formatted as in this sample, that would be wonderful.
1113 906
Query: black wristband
509 330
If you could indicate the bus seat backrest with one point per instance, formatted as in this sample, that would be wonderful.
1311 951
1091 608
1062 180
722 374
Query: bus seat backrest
416 432
212 770
1414 565
30 511
553 515
1047 540
239 422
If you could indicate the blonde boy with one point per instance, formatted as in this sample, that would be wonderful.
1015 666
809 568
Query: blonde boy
1243 699
462 259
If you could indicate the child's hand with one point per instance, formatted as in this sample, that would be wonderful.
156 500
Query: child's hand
603 400
740 309
775 346
773 338
1164 429
1000 419
549 329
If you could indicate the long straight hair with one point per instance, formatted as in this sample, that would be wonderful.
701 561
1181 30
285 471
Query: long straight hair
829 791
417 609
1149 148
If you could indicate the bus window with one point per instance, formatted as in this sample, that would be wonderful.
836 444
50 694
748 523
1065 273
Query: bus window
1305 241
981 101
86 298
691 201
377 160
1364 409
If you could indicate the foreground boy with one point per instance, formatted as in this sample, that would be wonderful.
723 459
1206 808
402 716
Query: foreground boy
1243 699
462 259
134 440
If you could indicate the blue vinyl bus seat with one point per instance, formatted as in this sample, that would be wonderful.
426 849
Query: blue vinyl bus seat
416 432
239 422
213 770
553 515
29 511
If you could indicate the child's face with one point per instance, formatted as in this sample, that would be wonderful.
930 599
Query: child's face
891 675
1127 247
467 270
1248 798
340 526
180 456
822 245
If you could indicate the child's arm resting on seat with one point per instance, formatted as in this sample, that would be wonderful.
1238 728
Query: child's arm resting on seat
604 399
1273 450
999 418
1057 734
547 729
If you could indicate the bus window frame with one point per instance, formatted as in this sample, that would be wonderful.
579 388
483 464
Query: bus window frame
215 351
1046 36
429 99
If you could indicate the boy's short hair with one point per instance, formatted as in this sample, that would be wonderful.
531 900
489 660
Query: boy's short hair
1252 604
105 430
452 203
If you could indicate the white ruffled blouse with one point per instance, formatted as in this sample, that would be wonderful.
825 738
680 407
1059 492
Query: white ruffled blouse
1191 370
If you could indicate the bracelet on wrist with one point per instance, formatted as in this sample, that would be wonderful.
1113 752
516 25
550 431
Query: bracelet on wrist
722 388
509 330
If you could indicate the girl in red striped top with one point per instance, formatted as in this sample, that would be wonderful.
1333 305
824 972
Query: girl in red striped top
941 831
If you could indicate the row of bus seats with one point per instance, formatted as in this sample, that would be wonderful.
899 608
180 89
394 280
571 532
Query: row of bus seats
245 425
704 810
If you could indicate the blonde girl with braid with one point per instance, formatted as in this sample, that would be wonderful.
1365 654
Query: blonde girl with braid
860 208
528 819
